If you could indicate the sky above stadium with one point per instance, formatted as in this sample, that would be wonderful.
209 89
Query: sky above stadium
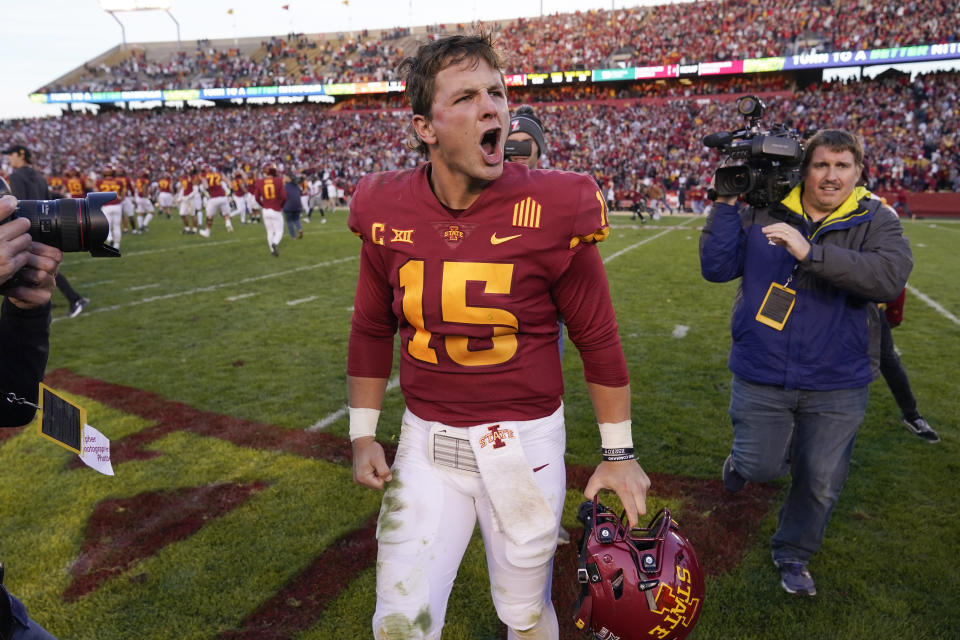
40 40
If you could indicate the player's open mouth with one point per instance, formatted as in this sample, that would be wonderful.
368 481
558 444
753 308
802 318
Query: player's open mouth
491 147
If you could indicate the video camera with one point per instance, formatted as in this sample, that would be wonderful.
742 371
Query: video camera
70 224
768 161
514 148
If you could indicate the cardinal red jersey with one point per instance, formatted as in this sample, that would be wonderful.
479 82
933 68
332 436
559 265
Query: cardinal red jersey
56 184
475 294
164 185
141 186
186 183
76 187
214 184
237 186
252 186
270 193
116 184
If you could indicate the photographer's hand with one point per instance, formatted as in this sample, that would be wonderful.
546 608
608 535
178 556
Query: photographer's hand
38 279
14 240
788 237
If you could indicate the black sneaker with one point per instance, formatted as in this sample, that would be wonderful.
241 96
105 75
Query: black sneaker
732 481
273 251
919 427
795 579
76 307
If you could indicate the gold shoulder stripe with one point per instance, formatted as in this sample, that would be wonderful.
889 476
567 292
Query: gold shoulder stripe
597 236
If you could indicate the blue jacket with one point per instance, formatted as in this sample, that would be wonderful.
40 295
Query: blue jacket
292 203
831 339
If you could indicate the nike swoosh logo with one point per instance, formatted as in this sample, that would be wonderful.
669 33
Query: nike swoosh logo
540 467
495 240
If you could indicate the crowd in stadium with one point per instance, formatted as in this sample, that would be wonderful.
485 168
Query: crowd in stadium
636 36
911 132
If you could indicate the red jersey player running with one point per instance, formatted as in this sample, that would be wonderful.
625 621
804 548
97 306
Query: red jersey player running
471 261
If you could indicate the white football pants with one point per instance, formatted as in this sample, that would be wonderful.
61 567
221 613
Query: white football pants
428 517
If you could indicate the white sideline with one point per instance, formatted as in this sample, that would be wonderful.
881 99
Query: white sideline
933 304
323 423
643 242
214 287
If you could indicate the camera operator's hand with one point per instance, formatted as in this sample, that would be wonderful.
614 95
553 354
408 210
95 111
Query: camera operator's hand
788 237
28 269
14 240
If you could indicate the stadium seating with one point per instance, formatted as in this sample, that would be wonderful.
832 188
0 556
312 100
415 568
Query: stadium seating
911 132
637 36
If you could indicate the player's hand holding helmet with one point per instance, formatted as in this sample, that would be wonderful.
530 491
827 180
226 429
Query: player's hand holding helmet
639 583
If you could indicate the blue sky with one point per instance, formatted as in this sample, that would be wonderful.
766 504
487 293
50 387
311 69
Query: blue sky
41 40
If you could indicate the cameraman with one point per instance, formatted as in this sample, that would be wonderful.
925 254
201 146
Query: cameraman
526 126
805 334
26 183
28 270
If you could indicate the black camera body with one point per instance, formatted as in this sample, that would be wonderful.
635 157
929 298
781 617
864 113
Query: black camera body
768 162
514 148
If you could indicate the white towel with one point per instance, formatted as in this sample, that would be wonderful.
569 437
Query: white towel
520 506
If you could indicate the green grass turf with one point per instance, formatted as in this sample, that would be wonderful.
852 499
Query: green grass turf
161 319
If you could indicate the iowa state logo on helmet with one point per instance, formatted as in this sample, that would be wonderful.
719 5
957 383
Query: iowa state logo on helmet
636 583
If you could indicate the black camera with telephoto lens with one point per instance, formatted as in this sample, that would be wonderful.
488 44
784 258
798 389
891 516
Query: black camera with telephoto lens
69 224
767 162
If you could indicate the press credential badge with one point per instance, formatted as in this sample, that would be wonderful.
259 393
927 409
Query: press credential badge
66 424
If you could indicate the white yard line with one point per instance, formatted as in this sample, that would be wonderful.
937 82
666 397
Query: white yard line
645 241
213 287
240 297
292 303
199 244
144 286
936 306
83 285
325 422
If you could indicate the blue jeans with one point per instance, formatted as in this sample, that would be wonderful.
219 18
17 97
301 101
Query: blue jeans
808 433
293 222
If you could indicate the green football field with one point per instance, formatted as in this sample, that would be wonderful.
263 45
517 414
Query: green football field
217 371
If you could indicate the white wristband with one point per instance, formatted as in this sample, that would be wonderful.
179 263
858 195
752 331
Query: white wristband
363 422
615 435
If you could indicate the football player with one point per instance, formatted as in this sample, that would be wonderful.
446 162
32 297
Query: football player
165 188
251 198
128 203
271 195
471 260
188 196
217 201
113 210
238 192
76 184
142 187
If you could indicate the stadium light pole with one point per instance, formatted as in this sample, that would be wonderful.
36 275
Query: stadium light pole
123 31
179 45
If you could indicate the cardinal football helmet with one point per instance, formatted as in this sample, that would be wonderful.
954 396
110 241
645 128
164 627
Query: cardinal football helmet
636 583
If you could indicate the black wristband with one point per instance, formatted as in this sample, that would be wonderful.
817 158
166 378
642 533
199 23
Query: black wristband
616 455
